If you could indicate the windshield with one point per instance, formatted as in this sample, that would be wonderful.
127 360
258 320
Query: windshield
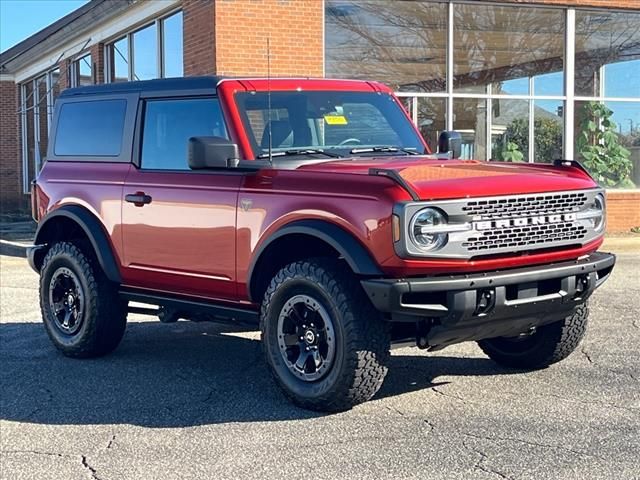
338 123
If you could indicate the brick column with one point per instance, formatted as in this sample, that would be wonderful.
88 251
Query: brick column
65 81
11 197
229 37
199 50
294 26
97 63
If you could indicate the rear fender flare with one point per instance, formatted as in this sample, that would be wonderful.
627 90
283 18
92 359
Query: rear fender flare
93 229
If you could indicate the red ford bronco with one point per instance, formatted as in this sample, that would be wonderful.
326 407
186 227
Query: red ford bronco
315 209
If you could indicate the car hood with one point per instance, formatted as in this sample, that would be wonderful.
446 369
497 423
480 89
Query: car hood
439 179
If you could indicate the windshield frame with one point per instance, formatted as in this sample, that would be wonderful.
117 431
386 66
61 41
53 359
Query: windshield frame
258 152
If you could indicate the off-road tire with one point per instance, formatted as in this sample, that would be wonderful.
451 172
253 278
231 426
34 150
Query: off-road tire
548 345
105 313
362 339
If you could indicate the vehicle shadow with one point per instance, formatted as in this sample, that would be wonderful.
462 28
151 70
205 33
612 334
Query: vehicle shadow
177 375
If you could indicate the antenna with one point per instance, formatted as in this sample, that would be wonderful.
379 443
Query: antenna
269 96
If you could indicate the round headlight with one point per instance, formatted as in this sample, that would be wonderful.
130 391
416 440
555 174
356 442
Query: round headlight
423 229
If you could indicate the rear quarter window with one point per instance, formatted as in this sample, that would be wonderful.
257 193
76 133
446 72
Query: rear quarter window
90 128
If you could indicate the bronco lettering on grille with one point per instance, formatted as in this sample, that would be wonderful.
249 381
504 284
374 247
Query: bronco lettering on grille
525 221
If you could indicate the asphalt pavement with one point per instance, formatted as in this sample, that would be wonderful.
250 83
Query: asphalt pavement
195 400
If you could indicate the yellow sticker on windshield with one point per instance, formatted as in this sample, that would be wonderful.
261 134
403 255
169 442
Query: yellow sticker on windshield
335 119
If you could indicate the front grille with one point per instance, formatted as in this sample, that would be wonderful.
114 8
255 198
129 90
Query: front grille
539 204
533 236
512 224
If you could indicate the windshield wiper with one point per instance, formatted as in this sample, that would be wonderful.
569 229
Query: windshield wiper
383 148
302 151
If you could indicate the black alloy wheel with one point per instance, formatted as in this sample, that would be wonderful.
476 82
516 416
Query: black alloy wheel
66 301
306 337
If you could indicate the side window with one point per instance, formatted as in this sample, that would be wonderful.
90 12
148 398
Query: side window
90 129
168 125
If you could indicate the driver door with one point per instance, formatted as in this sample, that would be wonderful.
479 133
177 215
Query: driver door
179 225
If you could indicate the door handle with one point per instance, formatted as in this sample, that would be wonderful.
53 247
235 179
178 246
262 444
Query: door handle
139 199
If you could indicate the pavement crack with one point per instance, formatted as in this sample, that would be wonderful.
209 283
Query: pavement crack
530 443
111 442
586 355
85 464
35 452
430 424
581 402
395 410
455 397
482 465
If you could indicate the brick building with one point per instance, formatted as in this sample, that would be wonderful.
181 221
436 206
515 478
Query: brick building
516 77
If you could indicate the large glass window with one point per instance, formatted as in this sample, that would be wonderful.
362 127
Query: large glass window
431 119
548 127
607 54
172 46
145 53
92 129
470 119
81 72
168 125
119 60
402 44
505 89
607 141
607 86
509 130
504 46
153 51
36 110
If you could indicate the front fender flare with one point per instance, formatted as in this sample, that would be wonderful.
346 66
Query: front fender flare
347 246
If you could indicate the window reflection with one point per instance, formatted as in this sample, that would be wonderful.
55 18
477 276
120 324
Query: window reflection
548 129
172 45
119 58
40 99
510 130
609 43
606 137
154 51
145 53
431 119
402 44
548 84
470 119
497 45
29 160
82 72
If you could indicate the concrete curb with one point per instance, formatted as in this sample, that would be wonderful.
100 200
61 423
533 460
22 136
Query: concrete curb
13 249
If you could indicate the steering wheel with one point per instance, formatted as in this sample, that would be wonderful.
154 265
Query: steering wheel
352 141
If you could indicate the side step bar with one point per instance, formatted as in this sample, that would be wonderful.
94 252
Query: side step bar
238 315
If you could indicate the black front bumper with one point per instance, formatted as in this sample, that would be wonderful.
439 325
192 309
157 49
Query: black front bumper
490 304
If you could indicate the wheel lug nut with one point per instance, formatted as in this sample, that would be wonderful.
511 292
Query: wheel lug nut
301 338
311 325
307 349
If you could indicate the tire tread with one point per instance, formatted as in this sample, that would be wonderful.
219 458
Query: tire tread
366 335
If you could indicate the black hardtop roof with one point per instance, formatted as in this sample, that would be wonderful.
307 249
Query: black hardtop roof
157 85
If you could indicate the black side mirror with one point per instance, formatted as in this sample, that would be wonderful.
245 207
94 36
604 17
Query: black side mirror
212 152
450 143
